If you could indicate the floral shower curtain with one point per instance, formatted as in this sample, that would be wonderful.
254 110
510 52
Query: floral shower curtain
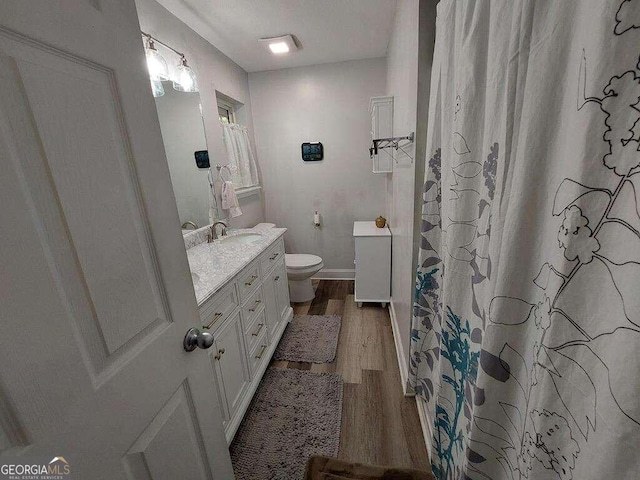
526 330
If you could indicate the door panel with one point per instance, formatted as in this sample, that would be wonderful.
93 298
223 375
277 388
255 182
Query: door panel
93 181
91 167
174 429
95 287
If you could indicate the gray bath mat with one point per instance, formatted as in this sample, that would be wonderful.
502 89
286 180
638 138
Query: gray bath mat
294 414
310 338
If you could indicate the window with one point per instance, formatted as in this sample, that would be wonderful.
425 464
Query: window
225 112
240 158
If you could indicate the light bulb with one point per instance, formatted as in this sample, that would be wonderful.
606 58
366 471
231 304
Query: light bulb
185 79
279 47
156 64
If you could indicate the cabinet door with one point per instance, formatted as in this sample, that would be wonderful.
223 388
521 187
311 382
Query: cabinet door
230 362
373 269
282 290
271 302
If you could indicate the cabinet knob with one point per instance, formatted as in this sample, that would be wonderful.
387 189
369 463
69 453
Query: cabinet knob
277 278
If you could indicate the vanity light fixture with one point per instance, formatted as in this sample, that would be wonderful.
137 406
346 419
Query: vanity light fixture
185 80
156 64
279 45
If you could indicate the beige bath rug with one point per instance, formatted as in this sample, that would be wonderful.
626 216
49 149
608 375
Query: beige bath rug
294 414
310 338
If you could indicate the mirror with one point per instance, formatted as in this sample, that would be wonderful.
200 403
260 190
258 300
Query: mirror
183 135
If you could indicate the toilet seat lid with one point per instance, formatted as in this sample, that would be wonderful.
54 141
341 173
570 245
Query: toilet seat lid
301 260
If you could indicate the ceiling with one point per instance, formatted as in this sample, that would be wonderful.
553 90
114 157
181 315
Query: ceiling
327 30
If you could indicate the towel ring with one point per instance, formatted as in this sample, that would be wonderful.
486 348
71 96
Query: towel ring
220 168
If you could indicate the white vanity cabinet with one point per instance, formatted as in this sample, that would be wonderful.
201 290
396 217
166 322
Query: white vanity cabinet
247 318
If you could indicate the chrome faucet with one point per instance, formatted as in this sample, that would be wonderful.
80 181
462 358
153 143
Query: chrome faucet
214 235
193 224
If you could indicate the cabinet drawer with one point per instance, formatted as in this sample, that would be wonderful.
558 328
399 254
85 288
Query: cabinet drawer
259 351
219 307
252 306
272 256
255 331
248 281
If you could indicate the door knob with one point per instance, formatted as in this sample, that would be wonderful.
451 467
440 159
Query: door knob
197 339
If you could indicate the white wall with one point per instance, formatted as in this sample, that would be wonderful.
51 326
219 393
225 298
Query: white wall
215 71
327 103
402 83
409 60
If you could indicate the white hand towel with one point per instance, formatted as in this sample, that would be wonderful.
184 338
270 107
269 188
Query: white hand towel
229 200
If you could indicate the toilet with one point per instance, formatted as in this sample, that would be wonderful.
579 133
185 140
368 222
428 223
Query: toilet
300 268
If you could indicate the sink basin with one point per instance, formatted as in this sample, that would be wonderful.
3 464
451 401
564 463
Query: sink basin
195 278
242 238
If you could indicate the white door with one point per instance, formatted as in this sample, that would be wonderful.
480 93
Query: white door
95 290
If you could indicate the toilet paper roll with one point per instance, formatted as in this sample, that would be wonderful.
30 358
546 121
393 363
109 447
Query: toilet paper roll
316 218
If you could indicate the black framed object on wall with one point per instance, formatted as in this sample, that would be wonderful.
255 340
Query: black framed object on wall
312 151
202 158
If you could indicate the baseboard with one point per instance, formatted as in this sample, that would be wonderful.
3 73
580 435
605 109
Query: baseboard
402 359
425 424
335 274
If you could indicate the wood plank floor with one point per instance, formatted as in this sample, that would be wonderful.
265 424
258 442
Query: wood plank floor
379 425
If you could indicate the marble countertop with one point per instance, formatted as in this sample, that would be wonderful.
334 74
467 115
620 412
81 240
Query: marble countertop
214 264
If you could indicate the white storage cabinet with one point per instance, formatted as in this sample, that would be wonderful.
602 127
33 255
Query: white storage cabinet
373 263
